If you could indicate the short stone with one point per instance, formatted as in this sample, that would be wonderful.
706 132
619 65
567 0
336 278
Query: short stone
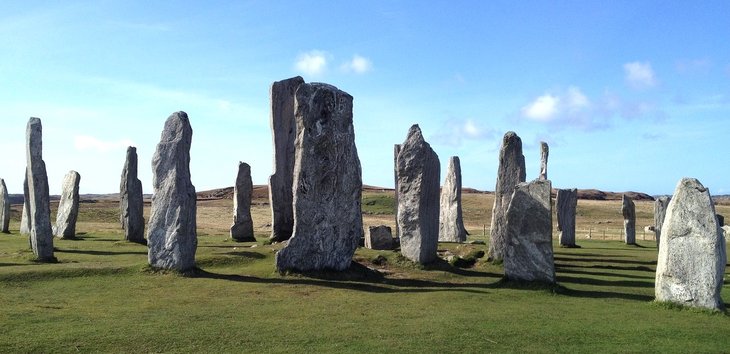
68 206
628 210
451 220
379 238
242 228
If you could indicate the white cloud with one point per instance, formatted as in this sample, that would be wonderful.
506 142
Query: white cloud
358 65
639 75
313 63
543 108
454 131
86 142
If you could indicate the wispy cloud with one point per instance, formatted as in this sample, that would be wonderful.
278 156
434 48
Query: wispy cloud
312 63
639 75
358 65
454 131
689 66
90 143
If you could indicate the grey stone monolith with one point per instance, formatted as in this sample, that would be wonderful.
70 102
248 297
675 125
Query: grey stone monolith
171 231
379 238
39 208
25 215
692 258
418 198
566 203
660 211
68 206
628 209
4 208
451 221
131 200
242 228
511 171
284 134
396 151
529 252
544 152
327 183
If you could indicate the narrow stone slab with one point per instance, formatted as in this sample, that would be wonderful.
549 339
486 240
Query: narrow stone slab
418 198
529 252
25 217
451 221
242 228
171 232
39 208
284 134
660 211
131 202
544 152
379 238
68 206
327 183
4 208
692 258
566 203
511 171
628 210
396 151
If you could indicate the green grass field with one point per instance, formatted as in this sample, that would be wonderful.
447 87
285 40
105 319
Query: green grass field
101 296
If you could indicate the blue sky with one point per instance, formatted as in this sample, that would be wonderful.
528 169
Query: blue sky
630 95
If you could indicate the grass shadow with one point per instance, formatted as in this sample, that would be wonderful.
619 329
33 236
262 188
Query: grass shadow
101 253
601 282
560 269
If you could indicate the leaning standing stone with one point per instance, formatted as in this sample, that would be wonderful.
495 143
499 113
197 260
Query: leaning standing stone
418 198
511 172
379 238
131 202
39 209
4 208
544 151
691 262
242 228
396 151
284 134
566 203
660 211
327 183
68 206
629 212
451 222
529 252
171 234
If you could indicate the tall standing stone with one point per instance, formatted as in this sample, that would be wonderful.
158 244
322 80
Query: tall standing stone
242 228
660 211
418 198
451 222
131 202
544 151
396 151
284 134
629 212
4 208
566 203
171 234
68 206
510 173
25 217
529 252
327 183
692 258
39 208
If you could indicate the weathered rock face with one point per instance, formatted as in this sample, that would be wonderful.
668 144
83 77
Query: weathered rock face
451 222
566 203
131 202
529 252
720 220
511 172
660 211
544 151
691 262
25 218
629 212
242 228
4 208
379 238
68 206
284 134
327 183
418 198
39 209
171 232
396 151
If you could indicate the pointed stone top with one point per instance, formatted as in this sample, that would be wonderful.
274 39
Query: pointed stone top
511 138
414 133
177 126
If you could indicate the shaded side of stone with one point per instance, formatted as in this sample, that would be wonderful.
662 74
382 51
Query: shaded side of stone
628 210
68 206
131 202
242 228
660 212
566 203
39 209
379 238
451 221
396 151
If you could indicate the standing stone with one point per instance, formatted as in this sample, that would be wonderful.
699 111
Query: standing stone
396 151
242 228
691 262
68 206
131 202
544 151
529 252
566 203
379 238
511 172
171 233
4 208
629 212
451 222
25 217
418 198
284 134
327 183
39 208
720 220
660 211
